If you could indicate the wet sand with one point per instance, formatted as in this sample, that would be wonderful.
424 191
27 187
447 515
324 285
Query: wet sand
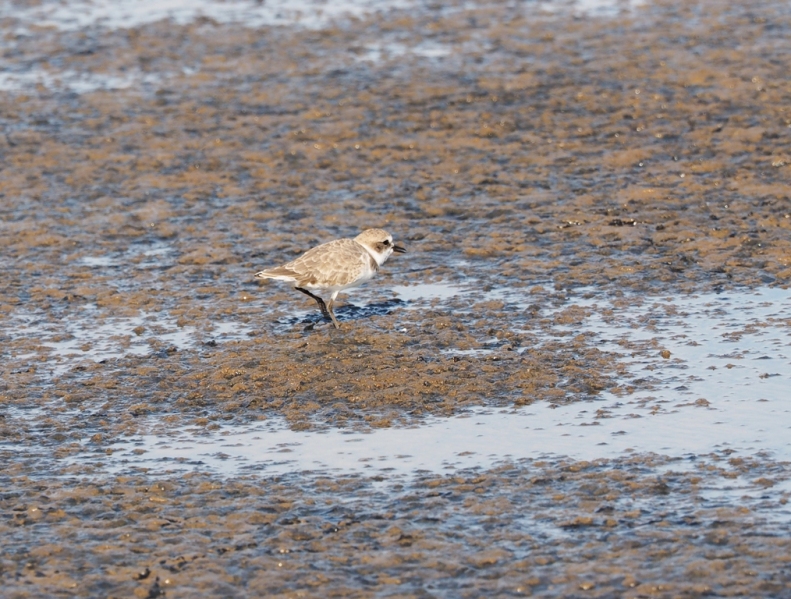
574 529
156 168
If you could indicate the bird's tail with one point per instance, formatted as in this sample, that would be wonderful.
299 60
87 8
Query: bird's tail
279 274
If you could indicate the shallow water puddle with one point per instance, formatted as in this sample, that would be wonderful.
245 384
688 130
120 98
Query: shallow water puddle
470 292
427 291
479 439
116 14
74 81
81 336
314 14
723 386
601 8
77 15
85 335
377 52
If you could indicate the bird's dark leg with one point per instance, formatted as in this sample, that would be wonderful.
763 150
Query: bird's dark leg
332 313
324 311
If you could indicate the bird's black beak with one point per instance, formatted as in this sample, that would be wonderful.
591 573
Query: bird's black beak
399 249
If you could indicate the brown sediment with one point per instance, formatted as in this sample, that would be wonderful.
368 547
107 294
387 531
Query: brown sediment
645 152
636 527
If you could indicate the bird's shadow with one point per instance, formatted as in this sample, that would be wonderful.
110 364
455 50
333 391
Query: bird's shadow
348 312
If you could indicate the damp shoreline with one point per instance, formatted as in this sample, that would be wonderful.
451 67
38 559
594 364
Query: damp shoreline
574 384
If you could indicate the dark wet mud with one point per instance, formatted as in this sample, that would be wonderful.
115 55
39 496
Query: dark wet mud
643 152
642 527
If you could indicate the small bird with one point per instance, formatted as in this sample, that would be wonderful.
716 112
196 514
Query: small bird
335 266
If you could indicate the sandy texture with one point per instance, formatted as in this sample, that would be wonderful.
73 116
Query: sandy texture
647 151
604 529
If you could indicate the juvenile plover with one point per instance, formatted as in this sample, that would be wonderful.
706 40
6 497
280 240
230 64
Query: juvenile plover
335 266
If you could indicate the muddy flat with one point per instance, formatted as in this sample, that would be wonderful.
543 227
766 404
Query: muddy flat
574 384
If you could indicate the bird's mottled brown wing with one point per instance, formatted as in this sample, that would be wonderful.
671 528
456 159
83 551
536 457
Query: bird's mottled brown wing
331 264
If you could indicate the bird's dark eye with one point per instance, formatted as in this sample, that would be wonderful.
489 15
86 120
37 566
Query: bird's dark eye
387 242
